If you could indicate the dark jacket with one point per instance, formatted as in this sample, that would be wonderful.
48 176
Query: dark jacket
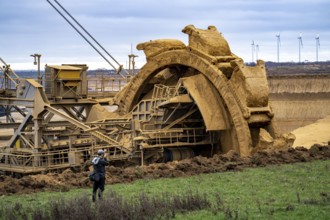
99 165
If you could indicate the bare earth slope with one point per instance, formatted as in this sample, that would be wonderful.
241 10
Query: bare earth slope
316 133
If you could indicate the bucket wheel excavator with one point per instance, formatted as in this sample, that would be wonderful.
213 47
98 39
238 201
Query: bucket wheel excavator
198 98
187 100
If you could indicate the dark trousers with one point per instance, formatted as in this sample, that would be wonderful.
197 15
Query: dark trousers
99 184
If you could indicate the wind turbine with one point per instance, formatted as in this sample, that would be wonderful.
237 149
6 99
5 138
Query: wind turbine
300 46
252 51
257 51
278 46
317 38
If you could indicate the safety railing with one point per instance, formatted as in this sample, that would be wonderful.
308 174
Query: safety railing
163 92
7 86
111 84
90 87
177 137
35 162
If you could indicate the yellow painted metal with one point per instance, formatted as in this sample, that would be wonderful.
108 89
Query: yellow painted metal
208 101
64 67
18 144
187 99
69 74
71 83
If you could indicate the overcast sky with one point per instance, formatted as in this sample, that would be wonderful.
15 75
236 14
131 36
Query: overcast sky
33 26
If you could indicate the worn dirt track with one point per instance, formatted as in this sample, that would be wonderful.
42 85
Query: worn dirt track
198 165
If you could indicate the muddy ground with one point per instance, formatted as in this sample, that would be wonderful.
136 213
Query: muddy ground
198 165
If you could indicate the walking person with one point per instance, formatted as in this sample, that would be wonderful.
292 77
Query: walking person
99 164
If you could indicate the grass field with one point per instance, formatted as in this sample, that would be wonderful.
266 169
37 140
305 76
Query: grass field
294 191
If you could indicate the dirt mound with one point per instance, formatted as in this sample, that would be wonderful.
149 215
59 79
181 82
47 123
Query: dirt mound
198 165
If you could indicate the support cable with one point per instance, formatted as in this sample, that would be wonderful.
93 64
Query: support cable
118 70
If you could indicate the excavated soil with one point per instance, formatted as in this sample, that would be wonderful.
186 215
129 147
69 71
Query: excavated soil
198 165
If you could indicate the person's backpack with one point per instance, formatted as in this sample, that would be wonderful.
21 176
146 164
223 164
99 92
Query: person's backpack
95 177
91 176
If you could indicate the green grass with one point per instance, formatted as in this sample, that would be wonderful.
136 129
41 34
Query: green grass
295 191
